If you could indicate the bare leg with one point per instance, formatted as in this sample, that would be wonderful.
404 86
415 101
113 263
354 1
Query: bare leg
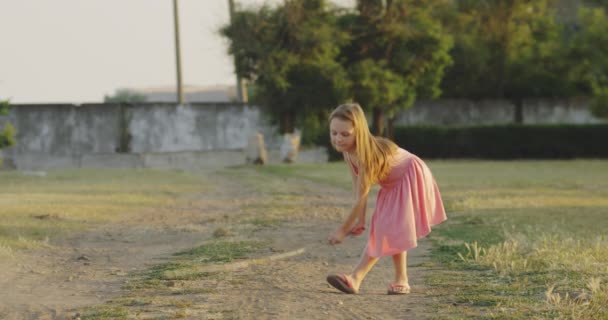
400 262
366 263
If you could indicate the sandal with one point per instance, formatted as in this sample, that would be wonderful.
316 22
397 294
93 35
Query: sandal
340 282
398 289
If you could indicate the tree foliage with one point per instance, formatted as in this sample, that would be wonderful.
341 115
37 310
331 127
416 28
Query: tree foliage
305 56
7 135
589 52
506 49
397 53
523 49
289 54
124 96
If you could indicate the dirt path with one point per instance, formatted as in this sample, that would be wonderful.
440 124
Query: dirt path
93 267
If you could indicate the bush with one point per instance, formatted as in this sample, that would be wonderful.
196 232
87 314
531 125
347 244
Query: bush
316 132
506 141
7 135
599 104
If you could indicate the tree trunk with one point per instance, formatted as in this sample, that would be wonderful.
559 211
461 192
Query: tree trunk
391 128
287 123
378 121
519 111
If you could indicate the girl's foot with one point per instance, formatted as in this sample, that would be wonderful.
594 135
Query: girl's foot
343 283
396 288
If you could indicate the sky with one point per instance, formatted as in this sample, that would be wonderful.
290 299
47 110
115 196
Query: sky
78 51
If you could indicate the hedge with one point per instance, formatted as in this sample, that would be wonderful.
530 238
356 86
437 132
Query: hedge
563 141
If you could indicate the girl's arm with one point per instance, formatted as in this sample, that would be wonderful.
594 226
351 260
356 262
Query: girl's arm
356 218
358 211
360 194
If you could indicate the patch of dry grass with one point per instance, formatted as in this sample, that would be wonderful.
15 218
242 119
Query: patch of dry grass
523 239
534 231
36 208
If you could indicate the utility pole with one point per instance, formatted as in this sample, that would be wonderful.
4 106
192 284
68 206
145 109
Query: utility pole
241 86
178 59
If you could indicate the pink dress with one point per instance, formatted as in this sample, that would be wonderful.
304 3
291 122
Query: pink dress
408 204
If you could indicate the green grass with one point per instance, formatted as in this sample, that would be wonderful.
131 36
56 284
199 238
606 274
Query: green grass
186 264
171 284
105 313
524 239
220 251
37 208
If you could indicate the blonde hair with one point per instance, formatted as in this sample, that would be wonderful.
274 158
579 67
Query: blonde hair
373 152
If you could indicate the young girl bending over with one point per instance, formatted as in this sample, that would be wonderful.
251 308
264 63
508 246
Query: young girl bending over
408 202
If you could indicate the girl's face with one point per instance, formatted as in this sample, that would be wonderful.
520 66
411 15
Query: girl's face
342 135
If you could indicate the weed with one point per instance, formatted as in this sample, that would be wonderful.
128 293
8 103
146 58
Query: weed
105 312
221 232
220 251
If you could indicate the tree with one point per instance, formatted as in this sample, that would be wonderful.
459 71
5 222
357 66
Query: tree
599 104
589 49
507 49
397 53
599 3
124 96
7 134
288 53
522 49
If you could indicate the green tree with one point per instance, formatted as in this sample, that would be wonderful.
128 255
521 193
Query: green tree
397 53
599 3
599 104
124 96
7 134
589 51
507 49
288 52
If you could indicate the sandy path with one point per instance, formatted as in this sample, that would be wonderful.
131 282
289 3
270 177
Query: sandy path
91 267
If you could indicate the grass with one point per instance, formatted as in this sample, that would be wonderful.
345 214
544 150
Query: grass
105 312
37 208
277 199
187 264
219 251
524 239
333 174
167 288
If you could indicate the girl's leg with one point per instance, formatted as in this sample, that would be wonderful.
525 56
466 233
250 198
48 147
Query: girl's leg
400 262
366 263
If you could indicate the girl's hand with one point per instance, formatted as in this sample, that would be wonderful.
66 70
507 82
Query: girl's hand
337 237
358 228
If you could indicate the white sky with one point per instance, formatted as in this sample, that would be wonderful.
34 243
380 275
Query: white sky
79 50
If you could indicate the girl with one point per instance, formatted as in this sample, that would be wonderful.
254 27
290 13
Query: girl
408 202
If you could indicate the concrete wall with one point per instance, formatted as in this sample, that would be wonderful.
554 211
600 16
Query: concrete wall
147 135
209 135
468 112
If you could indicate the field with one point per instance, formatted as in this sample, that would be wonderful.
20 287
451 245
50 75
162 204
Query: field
523 240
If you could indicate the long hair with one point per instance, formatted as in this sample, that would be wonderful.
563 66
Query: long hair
373 152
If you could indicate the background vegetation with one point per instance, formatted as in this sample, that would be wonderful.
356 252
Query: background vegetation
523 239
7 135
36 208
303 57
